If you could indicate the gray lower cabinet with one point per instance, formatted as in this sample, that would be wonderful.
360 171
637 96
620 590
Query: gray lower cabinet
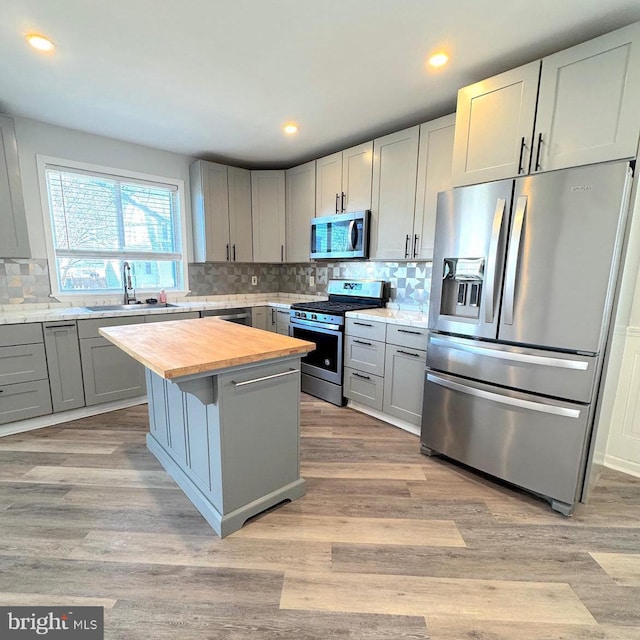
24 385
24 400
230 440
403 383
64 365
259 317
109 374
282 321
364 388
165 317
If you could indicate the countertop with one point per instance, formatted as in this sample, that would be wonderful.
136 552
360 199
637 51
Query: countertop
23 313
393 316
179 348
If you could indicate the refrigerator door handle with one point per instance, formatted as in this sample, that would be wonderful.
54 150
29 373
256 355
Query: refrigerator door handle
512 260
562 363
496 397
490 287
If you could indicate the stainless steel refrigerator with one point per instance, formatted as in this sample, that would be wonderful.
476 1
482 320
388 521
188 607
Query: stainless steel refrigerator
524 279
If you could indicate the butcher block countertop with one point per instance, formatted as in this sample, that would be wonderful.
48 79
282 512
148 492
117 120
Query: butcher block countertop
179 348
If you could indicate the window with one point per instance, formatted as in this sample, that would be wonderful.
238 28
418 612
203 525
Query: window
99 220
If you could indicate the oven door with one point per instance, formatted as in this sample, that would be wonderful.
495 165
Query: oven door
325 362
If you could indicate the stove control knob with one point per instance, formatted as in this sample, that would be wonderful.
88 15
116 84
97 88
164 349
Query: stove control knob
314 316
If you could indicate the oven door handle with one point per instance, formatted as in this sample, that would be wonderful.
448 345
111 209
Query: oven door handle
314 326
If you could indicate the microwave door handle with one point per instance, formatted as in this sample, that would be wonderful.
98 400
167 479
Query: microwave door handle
352 238
513 259
490 288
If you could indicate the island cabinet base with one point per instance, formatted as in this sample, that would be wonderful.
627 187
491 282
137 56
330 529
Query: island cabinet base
230 440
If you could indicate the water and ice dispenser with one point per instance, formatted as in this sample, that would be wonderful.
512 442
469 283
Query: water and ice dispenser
462 281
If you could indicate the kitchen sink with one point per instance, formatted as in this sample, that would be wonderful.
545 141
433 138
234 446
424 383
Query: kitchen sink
130 307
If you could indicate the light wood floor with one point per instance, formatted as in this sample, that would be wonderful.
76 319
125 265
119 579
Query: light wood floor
387 544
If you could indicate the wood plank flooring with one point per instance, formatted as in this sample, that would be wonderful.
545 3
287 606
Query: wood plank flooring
387 544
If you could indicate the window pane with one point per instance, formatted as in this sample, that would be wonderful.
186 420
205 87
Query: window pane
89 274
148 219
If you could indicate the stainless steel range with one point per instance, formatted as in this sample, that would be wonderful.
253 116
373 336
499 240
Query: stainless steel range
323 323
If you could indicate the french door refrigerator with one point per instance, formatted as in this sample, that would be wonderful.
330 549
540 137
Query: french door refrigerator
524 278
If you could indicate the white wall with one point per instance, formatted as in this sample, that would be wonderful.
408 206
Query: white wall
35 137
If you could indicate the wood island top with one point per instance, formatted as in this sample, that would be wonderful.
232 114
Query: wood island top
180 348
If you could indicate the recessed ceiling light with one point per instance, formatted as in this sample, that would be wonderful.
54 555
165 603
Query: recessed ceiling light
290 128
41 43
438 59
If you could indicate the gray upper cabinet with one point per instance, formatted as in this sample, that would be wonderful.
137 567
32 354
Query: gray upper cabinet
395 166
221 205
268 209
344 181
588 100
434 174
300 210
494 126
14 240
64 366
589 104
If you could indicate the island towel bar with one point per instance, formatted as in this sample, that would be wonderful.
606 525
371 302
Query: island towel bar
275 375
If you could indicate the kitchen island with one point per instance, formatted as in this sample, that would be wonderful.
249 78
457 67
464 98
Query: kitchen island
223 412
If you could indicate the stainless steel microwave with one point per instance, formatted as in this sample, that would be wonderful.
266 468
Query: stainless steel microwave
343 236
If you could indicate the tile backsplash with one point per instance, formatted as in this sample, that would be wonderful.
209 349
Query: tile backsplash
27 280
24 280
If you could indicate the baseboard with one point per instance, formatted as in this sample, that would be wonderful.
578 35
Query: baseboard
67 416
619 464
385 417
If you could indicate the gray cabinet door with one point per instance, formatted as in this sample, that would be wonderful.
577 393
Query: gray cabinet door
14 241
24 400
259 317
63 363
403 382
109 373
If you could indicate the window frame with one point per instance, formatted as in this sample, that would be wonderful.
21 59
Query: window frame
44 161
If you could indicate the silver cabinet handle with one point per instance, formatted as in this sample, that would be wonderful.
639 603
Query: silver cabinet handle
562 363
415 245
368 344
337 196
281 253
273 316
496 397
406 246
408 353
490 280
359 375
513 259
59 326
263 378
413 333
363 324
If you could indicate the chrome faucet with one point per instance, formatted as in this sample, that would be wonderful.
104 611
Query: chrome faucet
126 279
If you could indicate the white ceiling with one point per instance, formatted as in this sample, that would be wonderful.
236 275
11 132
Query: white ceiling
218 78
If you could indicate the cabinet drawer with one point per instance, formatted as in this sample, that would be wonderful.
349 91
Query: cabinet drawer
366 329
365 355
89 328
13 334
164 317
411 337
363 388
22 363
24 400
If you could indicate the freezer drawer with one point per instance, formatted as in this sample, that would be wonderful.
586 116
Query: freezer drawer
549 373
532 442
